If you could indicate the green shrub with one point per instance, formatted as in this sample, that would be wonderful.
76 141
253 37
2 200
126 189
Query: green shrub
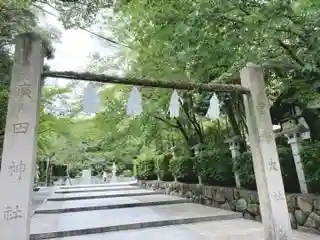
145 169
311 165
165 173
127 173
59 170
244 167
215 167
182 168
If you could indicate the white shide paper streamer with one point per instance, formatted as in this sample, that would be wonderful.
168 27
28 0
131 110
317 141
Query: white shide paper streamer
134 106
214 108
174 107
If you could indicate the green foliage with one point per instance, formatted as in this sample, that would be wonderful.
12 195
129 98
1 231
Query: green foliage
244 167
202 41
311 163
182 167
216 167
58 170
166 174
127 173
145 169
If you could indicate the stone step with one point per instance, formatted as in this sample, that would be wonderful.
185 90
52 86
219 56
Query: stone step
110 206
55 205
97 189
46 226
236 229
98 185
94 195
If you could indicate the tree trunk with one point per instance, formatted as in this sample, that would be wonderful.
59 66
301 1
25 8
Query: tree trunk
236 131
47 172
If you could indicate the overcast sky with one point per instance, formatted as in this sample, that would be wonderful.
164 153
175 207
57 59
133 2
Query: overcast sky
72 52
75 46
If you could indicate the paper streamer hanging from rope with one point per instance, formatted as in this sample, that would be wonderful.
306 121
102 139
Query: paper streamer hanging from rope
91 101
174 107
134 106
214 108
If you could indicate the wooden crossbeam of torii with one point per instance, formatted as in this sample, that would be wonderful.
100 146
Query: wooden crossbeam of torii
20 141
210 87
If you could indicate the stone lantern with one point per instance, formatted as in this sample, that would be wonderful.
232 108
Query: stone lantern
295 128
234 147
295 137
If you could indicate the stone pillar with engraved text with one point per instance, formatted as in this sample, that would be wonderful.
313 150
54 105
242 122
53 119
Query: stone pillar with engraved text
273 205
20 141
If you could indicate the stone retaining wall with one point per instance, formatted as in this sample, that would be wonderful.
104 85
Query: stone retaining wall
304 209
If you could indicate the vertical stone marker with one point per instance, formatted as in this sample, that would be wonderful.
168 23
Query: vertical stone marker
234 148
273 205
86 176
20 142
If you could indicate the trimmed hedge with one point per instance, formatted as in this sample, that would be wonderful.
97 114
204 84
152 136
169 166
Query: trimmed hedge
216 168
146 169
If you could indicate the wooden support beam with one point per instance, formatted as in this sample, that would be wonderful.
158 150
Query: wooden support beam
211 87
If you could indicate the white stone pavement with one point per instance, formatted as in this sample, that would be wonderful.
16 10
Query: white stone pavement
138 215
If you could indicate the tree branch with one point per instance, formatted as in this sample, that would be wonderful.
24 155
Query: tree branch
167 122
183 131
291 52
46 130
177 126
192 120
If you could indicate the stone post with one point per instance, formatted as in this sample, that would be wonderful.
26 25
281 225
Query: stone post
197 155
273 205
20 142
294 139
174 156
86 176
114 171
37 175
234 149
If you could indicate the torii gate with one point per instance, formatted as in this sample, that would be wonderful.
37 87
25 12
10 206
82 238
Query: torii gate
20 142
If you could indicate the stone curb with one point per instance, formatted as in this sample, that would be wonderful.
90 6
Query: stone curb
132 226
102 196
95 190
116 206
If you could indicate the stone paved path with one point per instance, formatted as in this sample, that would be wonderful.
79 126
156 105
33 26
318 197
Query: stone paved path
124 211
41 195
